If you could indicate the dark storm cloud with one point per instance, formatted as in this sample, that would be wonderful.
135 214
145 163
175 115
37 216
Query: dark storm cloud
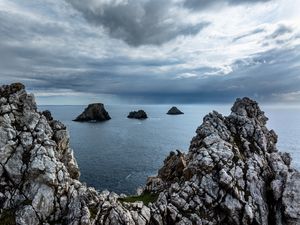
262 77
138 22
147 22
53 55
203 4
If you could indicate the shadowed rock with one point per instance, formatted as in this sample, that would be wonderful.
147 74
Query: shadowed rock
7 90
232 174
94 112
48 115
174 111
141 114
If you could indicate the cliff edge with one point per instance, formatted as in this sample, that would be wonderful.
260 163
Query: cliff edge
232 174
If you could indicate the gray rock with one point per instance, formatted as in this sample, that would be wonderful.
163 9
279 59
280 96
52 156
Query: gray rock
94 112
174 111
26 215
140 114
291 199
43 201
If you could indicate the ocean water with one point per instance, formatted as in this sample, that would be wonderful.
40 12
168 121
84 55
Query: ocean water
121 153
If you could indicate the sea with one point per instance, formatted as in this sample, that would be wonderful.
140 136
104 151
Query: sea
119 154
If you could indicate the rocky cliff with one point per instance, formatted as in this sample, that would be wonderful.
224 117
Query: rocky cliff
232 174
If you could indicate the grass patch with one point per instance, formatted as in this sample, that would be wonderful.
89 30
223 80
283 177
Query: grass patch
146 198
93 212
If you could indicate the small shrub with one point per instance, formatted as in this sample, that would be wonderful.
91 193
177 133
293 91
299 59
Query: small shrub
146 198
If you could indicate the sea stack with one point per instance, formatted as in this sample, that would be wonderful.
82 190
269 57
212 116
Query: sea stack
140 114
94 112
174 111
232 174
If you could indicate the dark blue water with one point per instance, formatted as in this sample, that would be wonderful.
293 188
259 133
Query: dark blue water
120 153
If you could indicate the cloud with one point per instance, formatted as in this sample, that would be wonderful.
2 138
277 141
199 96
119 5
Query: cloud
149 22
204 4
185 75
144 22
281 30
54 50
267 76
249 34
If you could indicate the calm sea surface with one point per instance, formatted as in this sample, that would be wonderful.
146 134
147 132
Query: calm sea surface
120 153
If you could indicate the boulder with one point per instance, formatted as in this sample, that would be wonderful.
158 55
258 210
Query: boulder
140 114
94 112
174 111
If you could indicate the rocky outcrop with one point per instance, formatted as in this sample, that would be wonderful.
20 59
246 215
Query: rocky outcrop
174 111
94 112
232 174
140 114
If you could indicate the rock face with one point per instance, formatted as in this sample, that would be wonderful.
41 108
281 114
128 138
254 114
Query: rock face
94 112
174 111
140 114
232 174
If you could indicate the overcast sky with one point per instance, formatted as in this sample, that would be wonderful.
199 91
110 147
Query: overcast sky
152 51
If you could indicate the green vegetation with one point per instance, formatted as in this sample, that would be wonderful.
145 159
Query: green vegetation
93 212
27 202
146 198
8 218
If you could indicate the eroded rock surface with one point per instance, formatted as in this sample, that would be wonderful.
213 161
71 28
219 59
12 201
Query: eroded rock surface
232 174
94 112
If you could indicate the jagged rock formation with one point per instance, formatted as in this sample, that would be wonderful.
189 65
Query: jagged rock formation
140 114
94 112
232 174
174 111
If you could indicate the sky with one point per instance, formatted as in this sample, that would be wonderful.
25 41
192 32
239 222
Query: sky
152 51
